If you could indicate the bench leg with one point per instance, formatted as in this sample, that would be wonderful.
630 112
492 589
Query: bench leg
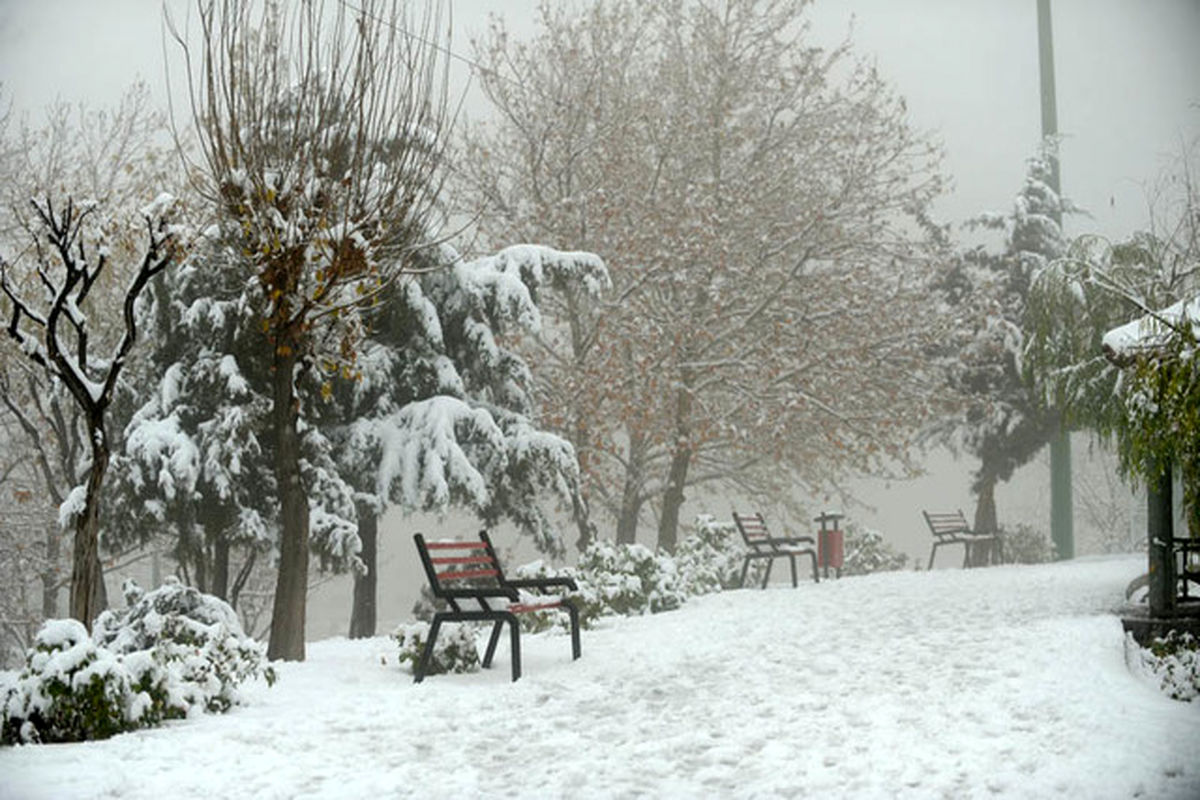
493 640
427 652
966 554
573 613
767 574
745 568
932 553
792 559
816 577
515 637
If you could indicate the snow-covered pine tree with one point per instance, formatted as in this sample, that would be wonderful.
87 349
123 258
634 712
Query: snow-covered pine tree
442 415
198 450
1003 421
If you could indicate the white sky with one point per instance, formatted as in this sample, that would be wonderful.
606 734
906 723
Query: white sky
1128 80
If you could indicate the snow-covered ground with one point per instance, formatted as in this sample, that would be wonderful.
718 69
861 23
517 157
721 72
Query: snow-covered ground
999 682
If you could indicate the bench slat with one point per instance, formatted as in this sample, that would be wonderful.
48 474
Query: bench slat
462 560
450 545
521 608
467 574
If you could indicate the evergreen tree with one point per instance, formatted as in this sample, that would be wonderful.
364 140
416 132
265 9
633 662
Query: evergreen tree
198 450
1003 422
442 413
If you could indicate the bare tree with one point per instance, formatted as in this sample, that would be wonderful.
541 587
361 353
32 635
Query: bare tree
117 157
48 324
320 137
759 202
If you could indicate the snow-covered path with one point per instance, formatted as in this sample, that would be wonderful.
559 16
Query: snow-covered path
1001 682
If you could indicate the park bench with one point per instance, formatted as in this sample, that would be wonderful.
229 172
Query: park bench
466 575
761 544
952 528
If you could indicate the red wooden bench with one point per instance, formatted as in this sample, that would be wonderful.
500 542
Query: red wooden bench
467 576
952 528
761 544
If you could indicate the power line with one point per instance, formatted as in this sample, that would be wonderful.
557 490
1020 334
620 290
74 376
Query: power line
431 43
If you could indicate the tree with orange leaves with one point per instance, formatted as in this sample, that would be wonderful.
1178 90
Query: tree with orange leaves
760 202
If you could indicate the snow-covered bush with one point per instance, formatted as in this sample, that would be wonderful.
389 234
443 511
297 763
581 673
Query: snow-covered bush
1173 663
627 579
426 605
71 690
867 552
1026 545
196 637
454 651
171 651
555 619
711 558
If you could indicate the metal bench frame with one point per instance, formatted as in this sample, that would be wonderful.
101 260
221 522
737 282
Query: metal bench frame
952 528
762 545
472 573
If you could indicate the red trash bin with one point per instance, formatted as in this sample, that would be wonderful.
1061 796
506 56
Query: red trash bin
831 544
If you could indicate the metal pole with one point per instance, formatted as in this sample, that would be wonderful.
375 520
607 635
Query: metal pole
1062 522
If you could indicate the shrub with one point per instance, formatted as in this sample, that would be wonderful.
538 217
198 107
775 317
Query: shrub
196 637
555 619
1026 545
171 651
711 558
454 651
866 551
427 605
1172 662
71 690
627 579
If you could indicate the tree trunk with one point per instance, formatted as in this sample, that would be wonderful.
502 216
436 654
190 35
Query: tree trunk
200 571
242 578
681 459
627 520
985 516
50 575
631 493
87 578
583 521
362 612
668 525
99 588
291 586
220 569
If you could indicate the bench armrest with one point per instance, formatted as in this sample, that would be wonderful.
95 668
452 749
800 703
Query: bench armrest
484 591
542 583
792 540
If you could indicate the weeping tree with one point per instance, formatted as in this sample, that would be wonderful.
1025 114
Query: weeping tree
1136 388
320 135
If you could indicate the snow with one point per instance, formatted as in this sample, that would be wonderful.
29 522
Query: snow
159 206
1153 331
72 506
1006 682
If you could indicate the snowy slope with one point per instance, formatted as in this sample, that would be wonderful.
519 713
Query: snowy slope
1000 682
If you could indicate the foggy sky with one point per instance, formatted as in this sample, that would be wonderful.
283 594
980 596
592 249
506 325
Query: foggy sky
1128 80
